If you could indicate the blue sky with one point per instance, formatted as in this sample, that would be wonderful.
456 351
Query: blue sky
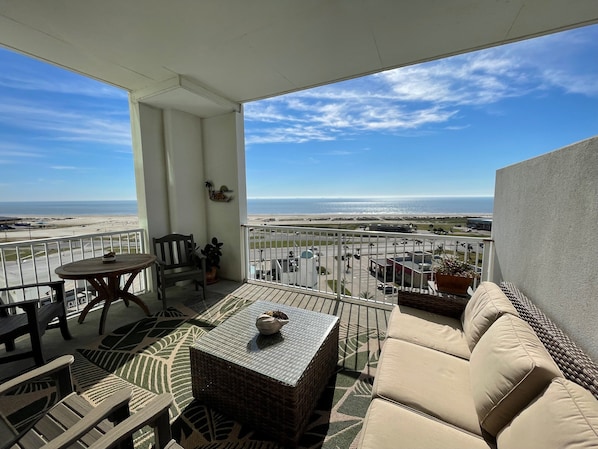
439 128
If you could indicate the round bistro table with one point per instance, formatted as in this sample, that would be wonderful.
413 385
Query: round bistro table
105 277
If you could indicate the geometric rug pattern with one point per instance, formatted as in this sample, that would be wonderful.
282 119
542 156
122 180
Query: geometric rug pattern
151 356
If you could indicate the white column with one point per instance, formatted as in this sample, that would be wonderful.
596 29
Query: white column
224 153
175 153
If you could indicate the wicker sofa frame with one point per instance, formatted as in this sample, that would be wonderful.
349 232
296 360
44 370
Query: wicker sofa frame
575 364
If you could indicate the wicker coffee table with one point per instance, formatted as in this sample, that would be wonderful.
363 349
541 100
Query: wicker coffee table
271 383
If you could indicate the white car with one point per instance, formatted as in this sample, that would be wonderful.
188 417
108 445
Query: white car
388 289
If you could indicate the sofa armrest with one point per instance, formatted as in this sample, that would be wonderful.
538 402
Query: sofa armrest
443 305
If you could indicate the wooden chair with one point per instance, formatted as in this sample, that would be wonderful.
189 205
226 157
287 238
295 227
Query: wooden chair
176 262
40 314
74 422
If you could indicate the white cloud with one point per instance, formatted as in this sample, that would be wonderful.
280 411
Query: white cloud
13 150
287 134
61 125
573 83
473 79
64 167
340 153
70 86
27 74
298 118
417 97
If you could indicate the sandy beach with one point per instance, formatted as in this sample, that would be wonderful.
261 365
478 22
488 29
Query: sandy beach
53 227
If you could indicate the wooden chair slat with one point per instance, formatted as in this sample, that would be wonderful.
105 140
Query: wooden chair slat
175 262
70 423
82 407
31 440
48 428
65 417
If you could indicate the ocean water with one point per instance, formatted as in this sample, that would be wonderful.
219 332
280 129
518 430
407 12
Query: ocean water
274 206
372 206
67 208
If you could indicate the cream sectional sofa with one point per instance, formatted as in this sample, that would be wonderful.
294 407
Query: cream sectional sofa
478 381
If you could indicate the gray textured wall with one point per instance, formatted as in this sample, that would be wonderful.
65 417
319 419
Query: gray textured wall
545 228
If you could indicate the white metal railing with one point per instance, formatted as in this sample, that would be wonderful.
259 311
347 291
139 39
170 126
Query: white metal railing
34 261
356 264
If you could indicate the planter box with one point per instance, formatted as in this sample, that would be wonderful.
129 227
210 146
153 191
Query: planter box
456 285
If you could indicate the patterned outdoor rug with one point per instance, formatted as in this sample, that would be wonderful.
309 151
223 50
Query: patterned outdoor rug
151 356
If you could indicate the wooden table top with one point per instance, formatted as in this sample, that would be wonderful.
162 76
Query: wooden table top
96 267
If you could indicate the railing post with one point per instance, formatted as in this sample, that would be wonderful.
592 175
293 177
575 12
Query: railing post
487 261
247 253
336 244
339 265
35 260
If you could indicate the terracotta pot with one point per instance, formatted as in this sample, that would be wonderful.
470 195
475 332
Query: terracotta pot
456 285
212 275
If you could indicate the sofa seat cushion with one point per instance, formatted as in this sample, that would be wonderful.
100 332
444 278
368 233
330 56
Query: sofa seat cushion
427 380
389 426
564 415
509 367
485 306
428 329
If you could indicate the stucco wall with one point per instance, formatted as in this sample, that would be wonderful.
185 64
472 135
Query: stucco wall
185 167
150 177
545 228
175 153
169 171
224 145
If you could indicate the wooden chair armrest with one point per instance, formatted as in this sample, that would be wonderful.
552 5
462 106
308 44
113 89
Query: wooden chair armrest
173 445
25 305
59 368
107 407
51 284
442 305
160 267
154 414
57 286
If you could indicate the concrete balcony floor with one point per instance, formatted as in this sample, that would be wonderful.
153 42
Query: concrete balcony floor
54 345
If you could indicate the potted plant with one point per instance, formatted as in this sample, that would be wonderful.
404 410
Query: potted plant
212 254
454 275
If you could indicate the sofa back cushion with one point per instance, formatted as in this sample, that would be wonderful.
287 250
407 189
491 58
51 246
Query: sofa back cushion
564 415
485 306
509 367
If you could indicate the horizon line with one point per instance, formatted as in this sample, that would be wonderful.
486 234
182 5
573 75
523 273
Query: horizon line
276 198
365 197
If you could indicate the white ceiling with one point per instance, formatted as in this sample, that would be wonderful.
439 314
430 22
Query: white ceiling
206 56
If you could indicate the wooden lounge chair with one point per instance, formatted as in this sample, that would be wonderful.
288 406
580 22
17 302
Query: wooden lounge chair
74 422
39 315
176 262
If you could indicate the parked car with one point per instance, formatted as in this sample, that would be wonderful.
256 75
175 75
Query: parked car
387 289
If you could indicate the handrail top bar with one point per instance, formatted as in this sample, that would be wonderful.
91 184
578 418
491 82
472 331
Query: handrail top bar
406 235
69 237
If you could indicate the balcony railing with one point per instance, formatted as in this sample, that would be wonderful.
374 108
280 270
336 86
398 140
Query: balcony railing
357 264
34 261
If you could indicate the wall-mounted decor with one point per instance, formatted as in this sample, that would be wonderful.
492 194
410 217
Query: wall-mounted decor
222 195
